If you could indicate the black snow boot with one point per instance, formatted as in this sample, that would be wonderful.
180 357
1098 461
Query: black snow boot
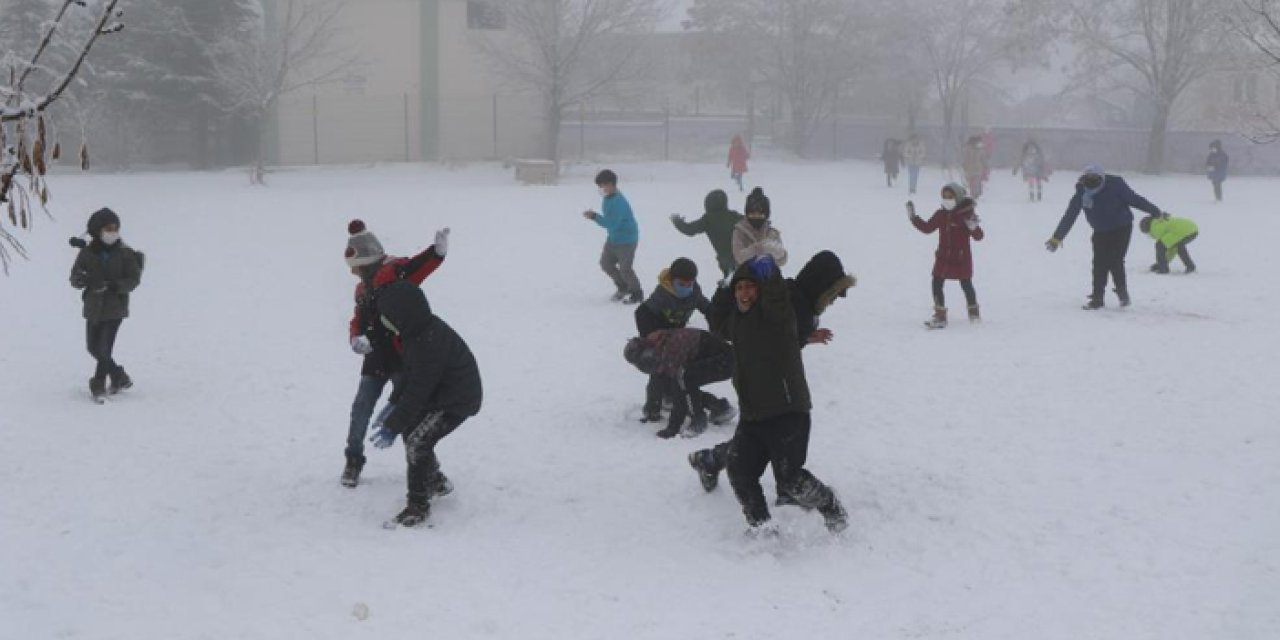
98 389
708 472
119 381
439 486
351 472
413 514
722 412
668 433
834 515
1094 303
635 297
697 425
1123 294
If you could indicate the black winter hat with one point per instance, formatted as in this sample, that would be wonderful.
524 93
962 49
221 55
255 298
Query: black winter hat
683 269
606 177
757 201
100 219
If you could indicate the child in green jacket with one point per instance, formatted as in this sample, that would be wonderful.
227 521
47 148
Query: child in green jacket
1172 237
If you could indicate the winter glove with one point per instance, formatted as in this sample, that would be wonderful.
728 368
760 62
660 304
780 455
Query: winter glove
361 345
589 214
1052 244
772 247
675 217
762 267
383 438
79 278
1164 215
972 223
442 242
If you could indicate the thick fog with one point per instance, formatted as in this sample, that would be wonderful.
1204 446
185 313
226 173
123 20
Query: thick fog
189 83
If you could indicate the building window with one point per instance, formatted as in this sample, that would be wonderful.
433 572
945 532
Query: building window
1245 89
485 14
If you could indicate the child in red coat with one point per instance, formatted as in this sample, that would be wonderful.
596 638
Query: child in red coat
956 222
738 156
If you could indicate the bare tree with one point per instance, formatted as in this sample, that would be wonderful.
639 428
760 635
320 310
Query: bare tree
962 41
1154 48
1257 23
804 50
298 47
30 89
568 51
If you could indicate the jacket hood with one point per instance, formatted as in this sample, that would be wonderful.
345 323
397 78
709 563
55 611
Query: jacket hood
99 220
405 306
823 279
716 202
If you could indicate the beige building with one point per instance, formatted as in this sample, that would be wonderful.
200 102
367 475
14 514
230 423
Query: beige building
424 92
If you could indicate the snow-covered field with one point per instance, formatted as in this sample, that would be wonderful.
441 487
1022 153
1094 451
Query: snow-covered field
1048 474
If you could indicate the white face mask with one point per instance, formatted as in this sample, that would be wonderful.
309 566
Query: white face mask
948 204
110 237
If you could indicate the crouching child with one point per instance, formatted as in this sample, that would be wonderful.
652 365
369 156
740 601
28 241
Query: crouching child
440 390
1172 235
683 361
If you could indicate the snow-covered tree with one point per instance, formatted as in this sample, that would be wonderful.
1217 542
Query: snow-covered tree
568 51
1154 48
262 59
33 80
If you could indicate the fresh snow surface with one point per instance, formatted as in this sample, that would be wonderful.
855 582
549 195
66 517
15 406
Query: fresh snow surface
1048 474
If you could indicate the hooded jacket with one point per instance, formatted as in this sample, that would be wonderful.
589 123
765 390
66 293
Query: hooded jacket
1110 209
440 374
954 259
384 360
107 274
768 373
819 283
1171 232
717 222
663 309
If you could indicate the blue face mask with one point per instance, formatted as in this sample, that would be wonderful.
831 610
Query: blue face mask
682 291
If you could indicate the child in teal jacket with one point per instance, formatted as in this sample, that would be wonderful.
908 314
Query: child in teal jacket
1172 237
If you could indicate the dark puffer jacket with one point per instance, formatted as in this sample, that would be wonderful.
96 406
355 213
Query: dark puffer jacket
107 274
769 374
440 374
817 285
665 310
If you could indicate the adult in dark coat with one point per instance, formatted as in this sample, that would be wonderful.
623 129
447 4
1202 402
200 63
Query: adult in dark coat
107 270
1216 167
717 222
1106 200
773 394
441 389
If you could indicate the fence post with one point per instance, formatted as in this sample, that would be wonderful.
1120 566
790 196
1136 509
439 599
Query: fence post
315 128
835 137
406 127
495 127
666 134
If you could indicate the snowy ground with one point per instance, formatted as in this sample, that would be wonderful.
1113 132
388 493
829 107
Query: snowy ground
1049 474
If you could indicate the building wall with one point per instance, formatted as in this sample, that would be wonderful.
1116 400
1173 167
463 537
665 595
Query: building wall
480 115
373 114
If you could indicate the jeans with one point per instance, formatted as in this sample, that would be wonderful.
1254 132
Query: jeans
1109 249
367 395
100 339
